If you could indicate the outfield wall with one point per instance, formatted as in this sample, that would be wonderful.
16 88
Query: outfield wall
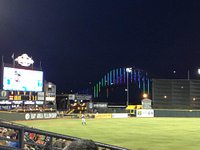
176 113
167 113
111 115
12 116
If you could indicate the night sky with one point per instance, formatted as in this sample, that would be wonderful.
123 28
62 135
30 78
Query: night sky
78 41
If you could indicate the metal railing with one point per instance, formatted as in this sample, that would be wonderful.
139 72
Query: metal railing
49 138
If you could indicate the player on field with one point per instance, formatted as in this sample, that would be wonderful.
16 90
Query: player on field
83 119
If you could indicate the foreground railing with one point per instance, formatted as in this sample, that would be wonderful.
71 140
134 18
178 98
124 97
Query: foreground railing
37 139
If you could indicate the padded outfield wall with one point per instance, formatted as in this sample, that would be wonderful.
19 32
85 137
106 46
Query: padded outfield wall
176 113
14 116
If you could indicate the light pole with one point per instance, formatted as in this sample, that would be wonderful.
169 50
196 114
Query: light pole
128 70
198 71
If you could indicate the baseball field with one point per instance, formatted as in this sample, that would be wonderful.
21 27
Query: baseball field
131 133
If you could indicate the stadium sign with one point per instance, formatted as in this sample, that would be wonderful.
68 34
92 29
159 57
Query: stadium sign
120 115
17 102
3 94
33 116
24 60
29 102
71 97
83 97
40 95
100 105
50 96
5 102
145 113
39 102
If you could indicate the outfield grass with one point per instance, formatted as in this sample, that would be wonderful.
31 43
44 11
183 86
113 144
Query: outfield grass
132 133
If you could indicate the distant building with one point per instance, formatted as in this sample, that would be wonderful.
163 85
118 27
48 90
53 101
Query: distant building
175 94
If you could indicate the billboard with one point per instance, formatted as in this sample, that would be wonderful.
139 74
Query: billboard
145 113
15 79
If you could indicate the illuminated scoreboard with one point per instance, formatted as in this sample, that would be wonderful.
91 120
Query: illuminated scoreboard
15 79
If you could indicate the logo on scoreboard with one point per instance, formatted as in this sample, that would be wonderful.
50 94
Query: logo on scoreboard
24 60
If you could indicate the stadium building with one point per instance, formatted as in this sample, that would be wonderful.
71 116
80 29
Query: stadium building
176 93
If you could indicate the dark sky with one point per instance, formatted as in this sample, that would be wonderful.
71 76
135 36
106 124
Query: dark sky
78 41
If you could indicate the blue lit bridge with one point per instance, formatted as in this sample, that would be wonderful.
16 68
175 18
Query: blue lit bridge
112 87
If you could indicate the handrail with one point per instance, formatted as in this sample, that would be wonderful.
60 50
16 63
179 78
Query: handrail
23 129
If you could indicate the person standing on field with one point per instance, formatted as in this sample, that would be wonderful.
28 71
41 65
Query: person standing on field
83 119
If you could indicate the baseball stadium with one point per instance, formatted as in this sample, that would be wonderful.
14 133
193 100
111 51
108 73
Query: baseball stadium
126 109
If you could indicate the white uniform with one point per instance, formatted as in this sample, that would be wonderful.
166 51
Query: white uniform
83 119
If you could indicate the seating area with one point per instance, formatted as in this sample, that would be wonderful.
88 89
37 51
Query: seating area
32 140
15 136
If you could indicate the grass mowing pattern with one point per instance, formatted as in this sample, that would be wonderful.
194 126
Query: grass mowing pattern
132 133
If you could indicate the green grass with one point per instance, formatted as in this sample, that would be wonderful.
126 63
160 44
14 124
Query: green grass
132 133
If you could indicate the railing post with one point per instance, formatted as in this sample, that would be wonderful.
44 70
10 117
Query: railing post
21 138
51 142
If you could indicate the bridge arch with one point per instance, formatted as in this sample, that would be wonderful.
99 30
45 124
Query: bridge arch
117 78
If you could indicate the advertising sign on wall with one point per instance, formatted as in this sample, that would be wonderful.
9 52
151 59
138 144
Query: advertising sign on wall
145 113
103 115
120 115
40 95
33 116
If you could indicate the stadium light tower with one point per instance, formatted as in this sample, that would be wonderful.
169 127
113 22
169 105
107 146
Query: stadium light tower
198 71
128 70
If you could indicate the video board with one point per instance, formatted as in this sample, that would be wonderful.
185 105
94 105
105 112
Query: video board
15 79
